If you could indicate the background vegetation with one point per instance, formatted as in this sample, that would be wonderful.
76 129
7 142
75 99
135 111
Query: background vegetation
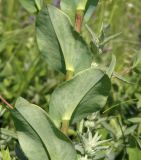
24 72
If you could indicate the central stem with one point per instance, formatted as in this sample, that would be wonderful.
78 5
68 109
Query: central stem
69 75
65 126
79 20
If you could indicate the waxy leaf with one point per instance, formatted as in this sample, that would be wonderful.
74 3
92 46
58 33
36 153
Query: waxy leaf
32 5
84 94
57 40
48 42
38 136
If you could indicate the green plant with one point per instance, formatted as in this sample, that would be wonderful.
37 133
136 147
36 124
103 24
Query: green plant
69 130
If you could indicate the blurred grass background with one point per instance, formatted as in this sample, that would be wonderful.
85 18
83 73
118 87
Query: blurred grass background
23 71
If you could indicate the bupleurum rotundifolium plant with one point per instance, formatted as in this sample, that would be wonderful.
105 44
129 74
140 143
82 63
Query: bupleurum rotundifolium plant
65 41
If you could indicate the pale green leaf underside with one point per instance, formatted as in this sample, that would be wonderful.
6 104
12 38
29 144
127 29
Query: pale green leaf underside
37 135
60 43
75 99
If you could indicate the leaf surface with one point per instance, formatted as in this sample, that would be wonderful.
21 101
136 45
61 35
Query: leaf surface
38 136
69 7
48 42
84 94
60 43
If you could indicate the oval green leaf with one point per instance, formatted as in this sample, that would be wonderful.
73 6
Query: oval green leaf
86 93
38 136
48 43
60 43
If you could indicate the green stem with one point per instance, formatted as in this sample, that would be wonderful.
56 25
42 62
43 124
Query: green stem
124 138
65 127
79 20
71 132
80 15
69 75
5 102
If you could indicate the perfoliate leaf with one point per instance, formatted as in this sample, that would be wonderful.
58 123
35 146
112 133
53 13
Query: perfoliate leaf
84 94
32 5
60 43
82 4
47 41
38 136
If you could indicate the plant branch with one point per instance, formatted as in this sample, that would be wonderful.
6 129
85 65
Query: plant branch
79 20
5 102
65 126
124 138
80 15
69 75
